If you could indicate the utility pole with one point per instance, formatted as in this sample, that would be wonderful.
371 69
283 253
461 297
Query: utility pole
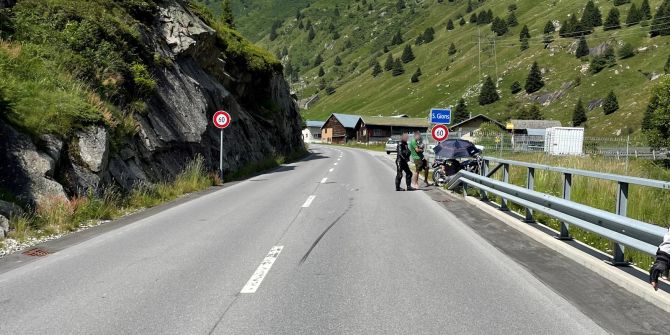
479 55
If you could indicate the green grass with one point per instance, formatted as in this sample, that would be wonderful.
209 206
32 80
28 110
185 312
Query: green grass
446 79
374 147
644 203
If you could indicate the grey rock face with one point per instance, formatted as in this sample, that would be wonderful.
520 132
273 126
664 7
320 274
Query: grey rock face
52 146
181 29
94 147
4 226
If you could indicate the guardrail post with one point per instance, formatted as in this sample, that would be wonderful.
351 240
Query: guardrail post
484 171
621 209
530 184
503 205
567 187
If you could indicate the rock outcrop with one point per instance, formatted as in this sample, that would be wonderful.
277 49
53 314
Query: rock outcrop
197 80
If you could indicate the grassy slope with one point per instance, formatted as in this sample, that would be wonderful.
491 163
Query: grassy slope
358 92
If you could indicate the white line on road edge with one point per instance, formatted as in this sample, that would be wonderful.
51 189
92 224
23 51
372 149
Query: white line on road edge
308 201
331 170
323 181
262 270
335 164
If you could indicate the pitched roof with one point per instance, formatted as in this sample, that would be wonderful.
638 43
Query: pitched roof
347 120
396 121
532 124
315 124
477 117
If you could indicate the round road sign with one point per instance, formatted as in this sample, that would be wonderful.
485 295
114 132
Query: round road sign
440 132
221 119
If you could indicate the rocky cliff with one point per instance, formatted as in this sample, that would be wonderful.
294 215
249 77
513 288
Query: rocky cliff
198 78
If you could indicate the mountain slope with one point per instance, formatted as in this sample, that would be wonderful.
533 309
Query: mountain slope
365 27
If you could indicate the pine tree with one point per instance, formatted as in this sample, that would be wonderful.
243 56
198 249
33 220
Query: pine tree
667 66
660 25
407 54
400 5
582 48
613 20
534 81
611 104
516 87
428 35
548 33
450 25
634 16
657 116
311 34
645 10
469 8
397 38
524 36
579 115
415 76
398 69
321 72
591 17
511 20
337 61
499 26
318 60
474 18
488 93
452 49
376 69
462 21
227 13
388 65
460 112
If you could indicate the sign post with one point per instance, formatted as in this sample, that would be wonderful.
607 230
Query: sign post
221 121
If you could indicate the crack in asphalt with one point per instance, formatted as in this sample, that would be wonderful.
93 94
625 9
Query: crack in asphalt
318 239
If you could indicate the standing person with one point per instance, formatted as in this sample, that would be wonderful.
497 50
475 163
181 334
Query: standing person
662 263
416 147
401 163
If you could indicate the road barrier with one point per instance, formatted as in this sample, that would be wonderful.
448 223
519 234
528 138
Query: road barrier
616 227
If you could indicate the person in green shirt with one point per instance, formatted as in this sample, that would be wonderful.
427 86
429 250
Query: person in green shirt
416 148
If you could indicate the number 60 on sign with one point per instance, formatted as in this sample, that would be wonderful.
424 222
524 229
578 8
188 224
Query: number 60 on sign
440 132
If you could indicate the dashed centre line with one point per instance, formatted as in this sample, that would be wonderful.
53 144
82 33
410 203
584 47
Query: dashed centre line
308 202
331 170
262 270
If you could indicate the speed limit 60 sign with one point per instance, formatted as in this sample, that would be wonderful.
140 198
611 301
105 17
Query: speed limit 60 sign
221 119
440 132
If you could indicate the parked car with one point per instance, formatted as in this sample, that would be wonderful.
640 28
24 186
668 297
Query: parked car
391 146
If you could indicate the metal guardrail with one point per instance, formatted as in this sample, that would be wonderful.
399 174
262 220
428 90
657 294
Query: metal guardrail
618 228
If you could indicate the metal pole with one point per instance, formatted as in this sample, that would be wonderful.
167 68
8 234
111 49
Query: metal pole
621 209
221 156
627 153
567 187
503 205
530 184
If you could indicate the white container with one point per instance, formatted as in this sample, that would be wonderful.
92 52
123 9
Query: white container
564 141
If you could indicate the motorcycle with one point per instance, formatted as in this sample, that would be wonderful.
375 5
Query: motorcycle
446 163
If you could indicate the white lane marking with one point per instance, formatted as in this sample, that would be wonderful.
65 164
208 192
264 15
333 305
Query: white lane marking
331 170
335 164
262 270
338 159
308 201
323 181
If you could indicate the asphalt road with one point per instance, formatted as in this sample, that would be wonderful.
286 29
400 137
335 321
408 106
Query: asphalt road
321 246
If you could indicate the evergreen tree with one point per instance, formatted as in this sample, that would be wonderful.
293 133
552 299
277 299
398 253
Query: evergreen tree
337 61
613 20
548 33
415 76
579 115
657 115
611 104
376 69
511 20
474 18
227 13
318 60
398 69
400 5
516 87
311 34
524 36
582 48
428 35
469 8
488 93
321 72
534 81
499 26
660 25
460 112
462 21
388 65
667 66
591 17
634 16
645 10
397 38
452 49
450 25
407 54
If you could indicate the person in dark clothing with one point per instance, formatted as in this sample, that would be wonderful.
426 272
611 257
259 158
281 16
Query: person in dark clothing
661 265
401 163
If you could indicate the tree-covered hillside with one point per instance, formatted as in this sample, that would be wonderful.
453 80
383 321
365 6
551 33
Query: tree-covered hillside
385 57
